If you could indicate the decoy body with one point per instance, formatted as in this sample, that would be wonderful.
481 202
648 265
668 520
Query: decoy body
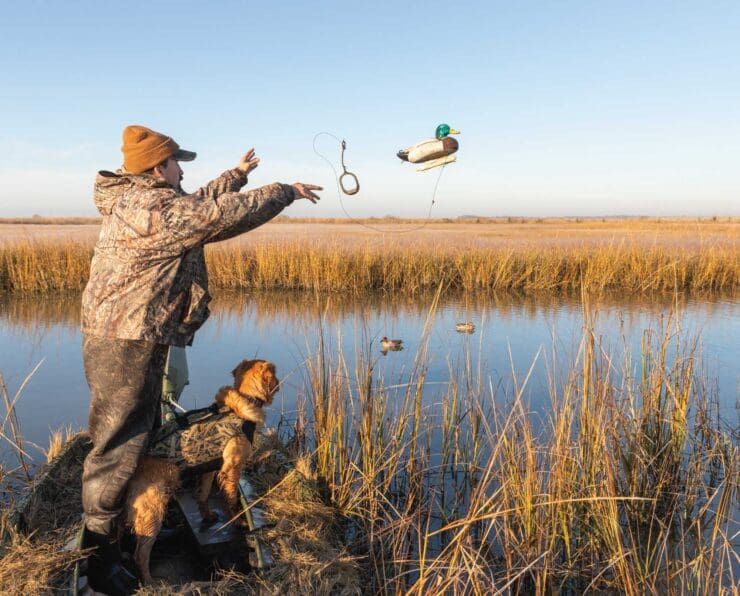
433 152
391 344
467 327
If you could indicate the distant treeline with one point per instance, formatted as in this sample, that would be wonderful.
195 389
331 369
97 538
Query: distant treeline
50 221
388 219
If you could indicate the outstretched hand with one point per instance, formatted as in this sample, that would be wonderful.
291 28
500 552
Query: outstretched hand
249 162
303 191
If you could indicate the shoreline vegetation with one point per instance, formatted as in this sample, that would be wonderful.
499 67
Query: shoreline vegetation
40 267
413 257
627 485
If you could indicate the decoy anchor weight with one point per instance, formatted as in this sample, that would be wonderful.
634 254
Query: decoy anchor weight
355 182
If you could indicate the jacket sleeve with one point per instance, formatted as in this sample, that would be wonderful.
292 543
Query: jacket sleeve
194 220
253 209
230 181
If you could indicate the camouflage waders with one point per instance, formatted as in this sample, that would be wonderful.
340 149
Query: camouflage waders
125 379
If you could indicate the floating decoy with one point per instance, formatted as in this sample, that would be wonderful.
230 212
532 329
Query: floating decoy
391 345
433 152
467 327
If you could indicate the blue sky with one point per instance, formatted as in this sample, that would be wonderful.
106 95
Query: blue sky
565 108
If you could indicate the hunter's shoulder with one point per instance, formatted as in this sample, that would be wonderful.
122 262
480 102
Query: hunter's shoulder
143 191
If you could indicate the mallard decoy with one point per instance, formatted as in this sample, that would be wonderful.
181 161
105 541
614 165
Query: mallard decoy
392 345
467 327
433 152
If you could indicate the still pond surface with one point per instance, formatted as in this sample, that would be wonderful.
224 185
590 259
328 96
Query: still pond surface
510 334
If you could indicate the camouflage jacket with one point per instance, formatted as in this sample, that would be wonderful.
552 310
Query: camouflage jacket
148 278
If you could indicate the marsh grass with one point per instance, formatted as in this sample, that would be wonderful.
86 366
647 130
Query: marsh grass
32 566
10 431
57 440
29 565
409 270
44 266
629 485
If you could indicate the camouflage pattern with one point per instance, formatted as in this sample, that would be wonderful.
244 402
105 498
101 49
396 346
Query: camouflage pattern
200 446
148 278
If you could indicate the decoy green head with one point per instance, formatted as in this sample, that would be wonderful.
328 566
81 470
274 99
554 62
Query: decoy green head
444 129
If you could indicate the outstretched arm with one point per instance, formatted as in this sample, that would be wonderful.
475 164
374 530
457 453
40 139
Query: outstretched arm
245 211
201 218
262 209
191 220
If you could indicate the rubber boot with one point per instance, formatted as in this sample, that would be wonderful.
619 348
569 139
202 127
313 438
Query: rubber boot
105 570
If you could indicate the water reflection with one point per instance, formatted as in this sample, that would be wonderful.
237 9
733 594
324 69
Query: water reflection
510 333
35 314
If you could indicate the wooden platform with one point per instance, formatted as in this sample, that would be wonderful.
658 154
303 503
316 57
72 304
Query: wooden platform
212 539
224 535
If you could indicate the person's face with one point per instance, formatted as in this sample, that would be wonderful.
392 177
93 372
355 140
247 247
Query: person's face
171 172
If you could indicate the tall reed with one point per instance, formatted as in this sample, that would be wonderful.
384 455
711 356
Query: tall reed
629 485
409 270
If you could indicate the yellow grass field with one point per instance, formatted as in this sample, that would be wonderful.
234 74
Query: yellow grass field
633 255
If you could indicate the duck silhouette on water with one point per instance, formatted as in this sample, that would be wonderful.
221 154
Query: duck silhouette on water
390 345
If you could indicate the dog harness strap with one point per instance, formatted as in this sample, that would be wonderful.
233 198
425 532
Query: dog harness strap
183 422
255 401
194 416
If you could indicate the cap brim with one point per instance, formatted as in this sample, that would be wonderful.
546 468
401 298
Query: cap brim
182 155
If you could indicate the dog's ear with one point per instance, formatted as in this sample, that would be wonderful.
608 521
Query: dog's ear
242 368
270 381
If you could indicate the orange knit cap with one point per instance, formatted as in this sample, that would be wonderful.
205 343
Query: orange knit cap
144 148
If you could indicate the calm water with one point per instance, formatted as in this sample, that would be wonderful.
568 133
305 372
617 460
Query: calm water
511 332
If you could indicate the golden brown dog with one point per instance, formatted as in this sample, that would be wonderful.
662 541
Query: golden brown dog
216 439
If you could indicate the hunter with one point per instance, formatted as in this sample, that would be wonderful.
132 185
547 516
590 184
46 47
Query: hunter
148 290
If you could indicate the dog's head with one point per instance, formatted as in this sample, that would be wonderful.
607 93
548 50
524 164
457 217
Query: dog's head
256 378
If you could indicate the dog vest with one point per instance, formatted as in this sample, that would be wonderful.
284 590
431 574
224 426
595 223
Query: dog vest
195 441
